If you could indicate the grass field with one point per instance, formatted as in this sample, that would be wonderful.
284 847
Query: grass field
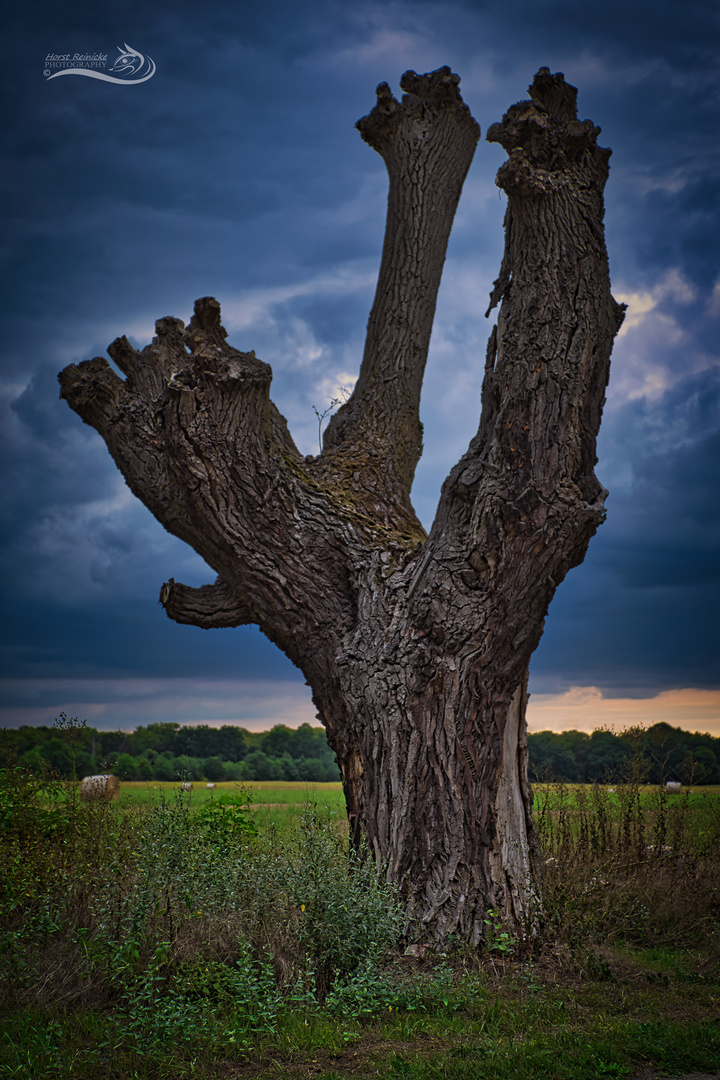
162 936
284 792
262 791
280 803
275 804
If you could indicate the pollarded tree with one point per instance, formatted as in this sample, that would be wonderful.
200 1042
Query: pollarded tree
416 647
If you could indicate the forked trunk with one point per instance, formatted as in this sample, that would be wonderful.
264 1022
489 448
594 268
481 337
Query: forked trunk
416 647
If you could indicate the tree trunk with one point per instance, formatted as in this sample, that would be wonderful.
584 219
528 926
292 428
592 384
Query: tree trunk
416 648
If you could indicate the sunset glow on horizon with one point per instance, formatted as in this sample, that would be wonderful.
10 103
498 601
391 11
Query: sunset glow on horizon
585 709
258 705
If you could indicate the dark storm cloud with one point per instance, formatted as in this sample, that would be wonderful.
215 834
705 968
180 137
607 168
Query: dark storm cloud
83 562
663 533
694 247
627 642
648 593
124 638
131 185
236 171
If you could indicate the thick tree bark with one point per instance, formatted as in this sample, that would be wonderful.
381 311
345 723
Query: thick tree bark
416 648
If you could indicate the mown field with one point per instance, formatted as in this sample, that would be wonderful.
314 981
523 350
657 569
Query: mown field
228 932
274 803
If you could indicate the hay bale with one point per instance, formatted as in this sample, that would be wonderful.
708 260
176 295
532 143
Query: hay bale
104 786
673 787
186 785
210 787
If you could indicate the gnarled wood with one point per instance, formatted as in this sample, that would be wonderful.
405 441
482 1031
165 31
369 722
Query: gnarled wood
210 607
416 647
427 143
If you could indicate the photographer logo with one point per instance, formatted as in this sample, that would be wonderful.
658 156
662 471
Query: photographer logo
128 69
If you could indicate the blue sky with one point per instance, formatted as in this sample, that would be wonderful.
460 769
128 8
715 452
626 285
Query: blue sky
236 171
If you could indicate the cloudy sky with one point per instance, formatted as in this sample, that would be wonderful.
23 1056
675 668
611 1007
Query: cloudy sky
235 171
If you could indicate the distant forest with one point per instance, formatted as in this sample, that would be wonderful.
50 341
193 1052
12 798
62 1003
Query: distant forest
652 755
175 752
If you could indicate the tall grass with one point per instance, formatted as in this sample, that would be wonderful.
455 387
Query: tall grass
170 931
631 862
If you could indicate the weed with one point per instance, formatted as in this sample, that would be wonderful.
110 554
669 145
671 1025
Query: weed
498 940
343 394
597 967
347 916
369 993
227 817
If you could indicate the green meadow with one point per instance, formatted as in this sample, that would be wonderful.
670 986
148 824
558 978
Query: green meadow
275 804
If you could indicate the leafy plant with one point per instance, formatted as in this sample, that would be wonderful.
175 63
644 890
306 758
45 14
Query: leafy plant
226 817
346 915
498 940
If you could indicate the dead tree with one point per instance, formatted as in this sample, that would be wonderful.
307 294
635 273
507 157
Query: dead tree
416 647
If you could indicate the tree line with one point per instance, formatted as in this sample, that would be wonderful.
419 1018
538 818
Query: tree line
653 755
171 751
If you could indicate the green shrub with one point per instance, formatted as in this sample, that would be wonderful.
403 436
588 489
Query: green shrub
347 915
226 817
109 896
